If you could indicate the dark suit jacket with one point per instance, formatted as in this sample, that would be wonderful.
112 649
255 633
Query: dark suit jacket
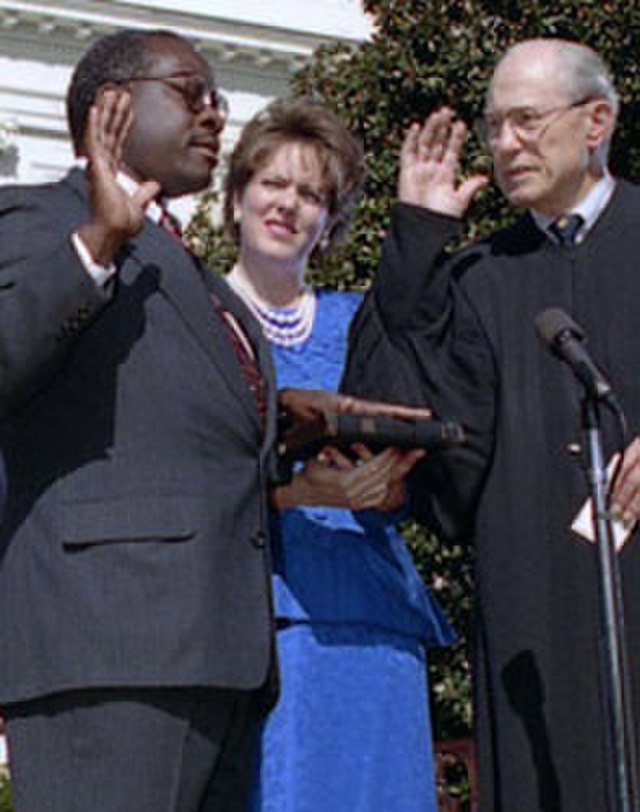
133 548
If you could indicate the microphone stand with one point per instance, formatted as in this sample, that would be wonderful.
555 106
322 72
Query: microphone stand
623 783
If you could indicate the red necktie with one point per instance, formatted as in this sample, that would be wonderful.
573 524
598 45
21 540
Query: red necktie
244 354
239 341
170 223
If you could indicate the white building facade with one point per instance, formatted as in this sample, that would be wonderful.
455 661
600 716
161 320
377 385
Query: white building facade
254 45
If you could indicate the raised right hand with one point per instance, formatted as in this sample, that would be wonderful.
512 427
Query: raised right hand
429 163
116 216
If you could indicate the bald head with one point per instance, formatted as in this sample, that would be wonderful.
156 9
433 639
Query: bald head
550 112
575 70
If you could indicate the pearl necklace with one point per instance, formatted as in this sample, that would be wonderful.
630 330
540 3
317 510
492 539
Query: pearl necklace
284 326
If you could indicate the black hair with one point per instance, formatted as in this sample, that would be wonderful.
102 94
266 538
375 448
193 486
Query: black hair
113 58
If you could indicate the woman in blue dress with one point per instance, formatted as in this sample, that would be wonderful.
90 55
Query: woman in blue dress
351 731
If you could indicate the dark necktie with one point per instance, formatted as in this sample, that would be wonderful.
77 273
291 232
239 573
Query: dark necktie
246 358
566 227
170 223
237 337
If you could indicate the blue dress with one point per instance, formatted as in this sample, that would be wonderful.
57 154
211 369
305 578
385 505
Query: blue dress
351 731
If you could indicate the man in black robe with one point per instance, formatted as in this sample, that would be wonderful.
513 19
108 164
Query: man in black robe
458 331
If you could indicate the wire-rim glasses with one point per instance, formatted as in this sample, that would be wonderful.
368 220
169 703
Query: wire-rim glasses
526 123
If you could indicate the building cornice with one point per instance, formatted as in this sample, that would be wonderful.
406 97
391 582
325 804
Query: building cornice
255 53
68 26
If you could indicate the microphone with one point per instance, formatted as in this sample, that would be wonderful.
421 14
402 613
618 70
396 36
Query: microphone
566 340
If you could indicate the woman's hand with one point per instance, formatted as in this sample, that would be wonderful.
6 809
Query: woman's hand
331 479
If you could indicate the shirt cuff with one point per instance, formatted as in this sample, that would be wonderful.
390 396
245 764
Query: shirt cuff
100 274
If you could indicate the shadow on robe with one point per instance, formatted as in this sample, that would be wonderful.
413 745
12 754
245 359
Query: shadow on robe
525 692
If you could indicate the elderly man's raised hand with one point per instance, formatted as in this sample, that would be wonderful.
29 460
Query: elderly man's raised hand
429 163
116 216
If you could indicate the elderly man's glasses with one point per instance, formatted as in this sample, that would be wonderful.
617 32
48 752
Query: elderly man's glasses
526 123
195 91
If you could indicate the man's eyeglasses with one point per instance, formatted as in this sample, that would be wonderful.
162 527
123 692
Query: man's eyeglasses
195 91
526 123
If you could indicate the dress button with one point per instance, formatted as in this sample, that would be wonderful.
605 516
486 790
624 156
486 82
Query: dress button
259 539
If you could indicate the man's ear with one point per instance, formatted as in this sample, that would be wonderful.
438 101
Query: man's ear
81 150
601 123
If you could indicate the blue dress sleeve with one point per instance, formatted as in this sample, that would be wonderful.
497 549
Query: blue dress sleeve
333 565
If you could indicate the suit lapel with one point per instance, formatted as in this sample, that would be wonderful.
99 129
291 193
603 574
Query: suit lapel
184 282
239 310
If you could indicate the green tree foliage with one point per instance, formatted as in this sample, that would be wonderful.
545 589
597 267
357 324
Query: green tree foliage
6 804
426 53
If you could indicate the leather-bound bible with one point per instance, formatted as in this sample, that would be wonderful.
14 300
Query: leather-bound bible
300 439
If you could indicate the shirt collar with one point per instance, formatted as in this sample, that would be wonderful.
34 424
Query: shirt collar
589 208
130 185
154 209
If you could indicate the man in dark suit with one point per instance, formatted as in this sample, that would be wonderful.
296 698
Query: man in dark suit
138 423
135 622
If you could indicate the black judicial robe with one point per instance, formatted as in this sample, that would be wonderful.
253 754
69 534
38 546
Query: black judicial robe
458 333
